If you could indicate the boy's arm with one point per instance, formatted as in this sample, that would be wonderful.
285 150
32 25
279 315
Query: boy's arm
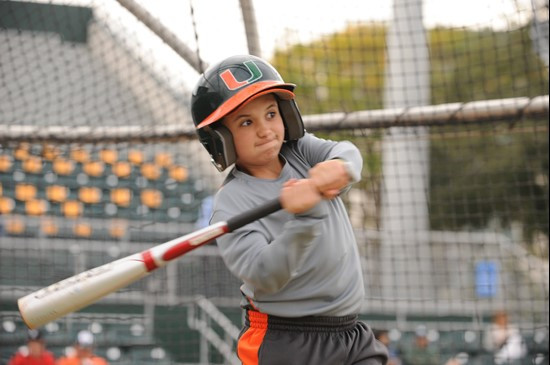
268 265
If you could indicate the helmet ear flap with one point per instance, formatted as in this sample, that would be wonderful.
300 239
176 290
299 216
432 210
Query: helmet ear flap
219 143
294 125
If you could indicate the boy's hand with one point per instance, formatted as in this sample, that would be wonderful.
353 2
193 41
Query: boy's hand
330 177
298 196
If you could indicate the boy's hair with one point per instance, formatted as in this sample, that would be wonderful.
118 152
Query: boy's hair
230 84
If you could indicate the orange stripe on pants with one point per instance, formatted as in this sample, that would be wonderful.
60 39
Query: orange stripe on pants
250 342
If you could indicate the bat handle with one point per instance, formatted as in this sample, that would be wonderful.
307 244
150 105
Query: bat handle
254 214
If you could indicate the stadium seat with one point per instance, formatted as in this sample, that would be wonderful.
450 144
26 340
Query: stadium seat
150 171
57 193
25 192
151 198
122 169
36 207
72 208
62 166
6 205
80 155
163 159
6 163
82 229
108 156
135 157
90 195
178 173
121 197
32 165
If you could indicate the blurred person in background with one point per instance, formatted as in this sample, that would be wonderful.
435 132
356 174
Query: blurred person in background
504 340
34 353
393 357
421 352
83 352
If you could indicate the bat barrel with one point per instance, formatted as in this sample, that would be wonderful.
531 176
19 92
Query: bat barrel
74 293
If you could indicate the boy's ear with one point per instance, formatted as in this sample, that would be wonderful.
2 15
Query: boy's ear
294 125
219 142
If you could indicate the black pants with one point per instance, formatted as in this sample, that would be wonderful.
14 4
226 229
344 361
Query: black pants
270 340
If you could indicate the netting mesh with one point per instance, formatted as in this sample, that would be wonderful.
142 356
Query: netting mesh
98 160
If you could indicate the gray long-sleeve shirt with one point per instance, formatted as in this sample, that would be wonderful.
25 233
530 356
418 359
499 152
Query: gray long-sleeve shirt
293 265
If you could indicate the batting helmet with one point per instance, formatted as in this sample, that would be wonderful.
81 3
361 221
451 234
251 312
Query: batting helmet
229 84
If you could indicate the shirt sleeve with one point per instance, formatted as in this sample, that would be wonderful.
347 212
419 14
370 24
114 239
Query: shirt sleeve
267 263
317 150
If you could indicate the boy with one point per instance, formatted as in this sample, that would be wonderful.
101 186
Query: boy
302 281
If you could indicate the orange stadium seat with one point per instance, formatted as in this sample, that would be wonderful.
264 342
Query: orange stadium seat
72 208
15 225
178 173
80 155
108 156
121 197
22 151
118 228
163 159
94 168
25 192
50 152
36 207
82 229
151 198
49 227
57 193
89 195
6 205
150 171
62 166
135 157
32 164
6 162
122 169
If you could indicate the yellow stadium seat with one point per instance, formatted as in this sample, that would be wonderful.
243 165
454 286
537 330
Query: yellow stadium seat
62 166
15 225
6 205
57 193
82 229
108 156
6 163
90 195
163 159
25 192
178 173
135 157
36 207
150 171
72 208
151 198
49 227
121 196
33 164
80 155
94 168
122 169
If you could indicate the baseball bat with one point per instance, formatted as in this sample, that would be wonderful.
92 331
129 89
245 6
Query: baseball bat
81 290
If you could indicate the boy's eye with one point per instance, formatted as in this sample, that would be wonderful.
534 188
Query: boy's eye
246 122
271 115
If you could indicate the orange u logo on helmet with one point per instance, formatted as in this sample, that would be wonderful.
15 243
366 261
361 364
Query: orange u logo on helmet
231 81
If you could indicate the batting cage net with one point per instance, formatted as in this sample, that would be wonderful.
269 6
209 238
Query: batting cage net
447 101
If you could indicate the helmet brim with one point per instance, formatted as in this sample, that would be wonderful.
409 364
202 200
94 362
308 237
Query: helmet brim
246 95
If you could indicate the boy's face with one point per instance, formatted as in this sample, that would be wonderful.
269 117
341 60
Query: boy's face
258 133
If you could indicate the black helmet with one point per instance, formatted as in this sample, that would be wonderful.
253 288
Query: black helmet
229 84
